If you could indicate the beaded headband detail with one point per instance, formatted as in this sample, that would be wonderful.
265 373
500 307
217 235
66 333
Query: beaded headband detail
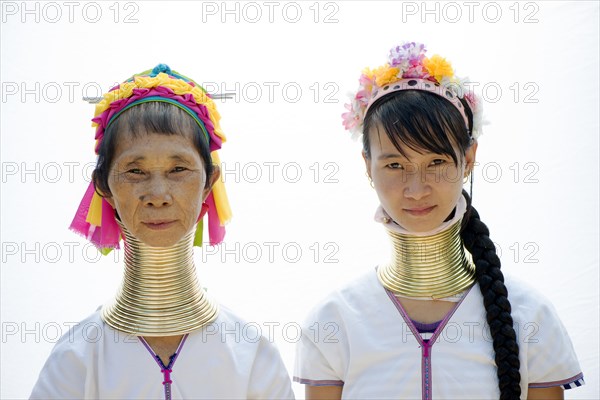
409 69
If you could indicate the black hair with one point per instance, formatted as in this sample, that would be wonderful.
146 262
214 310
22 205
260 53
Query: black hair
144 118
425 121
418 120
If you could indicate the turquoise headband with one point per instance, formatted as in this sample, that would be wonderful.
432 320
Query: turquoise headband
163 100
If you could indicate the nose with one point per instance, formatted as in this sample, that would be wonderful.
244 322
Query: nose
157 193
417 185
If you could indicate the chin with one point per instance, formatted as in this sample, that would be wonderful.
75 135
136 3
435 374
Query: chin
158 238
420 226
160 242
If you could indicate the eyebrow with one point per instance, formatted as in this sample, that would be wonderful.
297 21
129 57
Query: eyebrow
386 156
181 158
175 157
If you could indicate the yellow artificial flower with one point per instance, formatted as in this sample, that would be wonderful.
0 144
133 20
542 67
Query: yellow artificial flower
438 67
384 75
368 72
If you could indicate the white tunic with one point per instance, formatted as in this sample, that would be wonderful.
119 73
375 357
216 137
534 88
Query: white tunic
360 338
226 359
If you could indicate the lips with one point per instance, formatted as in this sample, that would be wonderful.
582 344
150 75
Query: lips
159 224
419 211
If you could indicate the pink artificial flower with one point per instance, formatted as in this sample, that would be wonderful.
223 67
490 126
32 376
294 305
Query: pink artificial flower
469 95
363 97
350 119
366 82
416 71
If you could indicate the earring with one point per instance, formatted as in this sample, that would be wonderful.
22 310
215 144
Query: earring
203 211
471 189
370 180
468 174
466 179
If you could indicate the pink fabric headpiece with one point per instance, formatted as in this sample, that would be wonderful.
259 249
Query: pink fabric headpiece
95 218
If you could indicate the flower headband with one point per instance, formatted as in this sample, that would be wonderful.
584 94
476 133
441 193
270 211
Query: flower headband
408 69
95 218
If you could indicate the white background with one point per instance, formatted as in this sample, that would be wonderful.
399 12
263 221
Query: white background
542 212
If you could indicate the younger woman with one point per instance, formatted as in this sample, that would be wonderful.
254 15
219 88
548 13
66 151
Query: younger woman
439 320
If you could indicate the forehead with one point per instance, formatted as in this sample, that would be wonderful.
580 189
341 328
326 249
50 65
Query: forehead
380 144
155 145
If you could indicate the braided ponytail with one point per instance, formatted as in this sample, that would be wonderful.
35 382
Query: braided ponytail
475 236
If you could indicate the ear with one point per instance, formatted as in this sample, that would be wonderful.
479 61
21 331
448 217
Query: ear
107 197
367 161
110 201
470 157
211 181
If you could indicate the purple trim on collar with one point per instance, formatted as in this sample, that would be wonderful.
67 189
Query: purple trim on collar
168 369
426 328
426 345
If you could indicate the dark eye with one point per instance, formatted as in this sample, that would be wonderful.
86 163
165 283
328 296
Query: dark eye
438 161
135 171
179 169
394 166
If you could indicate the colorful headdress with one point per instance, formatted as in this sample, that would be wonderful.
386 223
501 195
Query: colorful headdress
95 218
408 69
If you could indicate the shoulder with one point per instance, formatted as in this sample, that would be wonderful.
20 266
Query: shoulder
81 337
241 348
358 289
231 333
80 344
526 301
231 325
350 301
228 316
547 354
520 288
64 375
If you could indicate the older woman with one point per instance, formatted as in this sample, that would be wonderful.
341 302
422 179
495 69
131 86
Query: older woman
161 337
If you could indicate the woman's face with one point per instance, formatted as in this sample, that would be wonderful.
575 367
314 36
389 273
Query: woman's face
418 192
157 185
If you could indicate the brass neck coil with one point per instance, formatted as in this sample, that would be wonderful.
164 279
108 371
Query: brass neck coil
160 294
434 267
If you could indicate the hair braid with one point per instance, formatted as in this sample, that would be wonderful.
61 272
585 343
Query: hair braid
475 236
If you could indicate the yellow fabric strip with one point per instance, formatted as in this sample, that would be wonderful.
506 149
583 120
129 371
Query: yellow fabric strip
94 216
220 195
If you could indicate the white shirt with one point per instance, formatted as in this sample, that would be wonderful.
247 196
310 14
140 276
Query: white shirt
227 359
360 338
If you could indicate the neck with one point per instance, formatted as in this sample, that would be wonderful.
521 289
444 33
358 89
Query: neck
433 266
160 294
